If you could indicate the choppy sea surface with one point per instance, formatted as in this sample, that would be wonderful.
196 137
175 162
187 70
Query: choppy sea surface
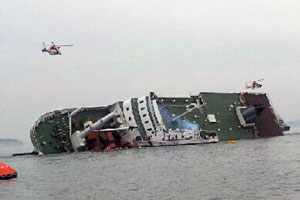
249 169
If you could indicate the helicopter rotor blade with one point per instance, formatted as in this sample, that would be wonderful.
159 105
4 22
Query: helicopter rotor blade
255 80
44 44
260 79
65 45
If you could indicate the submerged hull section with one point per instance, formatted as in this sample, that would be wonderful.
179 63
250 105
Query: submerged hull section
157 121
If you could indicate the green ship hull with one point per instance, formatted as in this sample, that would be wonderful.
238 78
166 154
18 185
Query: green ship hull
157 121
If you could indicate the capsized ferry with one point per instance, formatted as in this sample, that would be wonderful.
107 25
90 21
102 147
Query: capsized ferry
157 121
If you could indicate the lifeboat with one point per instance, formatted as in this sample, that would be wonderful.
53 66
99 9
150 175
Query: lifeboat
231 142
6 172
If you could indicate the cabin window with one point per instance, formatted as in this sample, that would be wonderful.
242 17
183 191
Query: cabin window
127 108
146 122
142 101
149 129
129 118
144 115
143 108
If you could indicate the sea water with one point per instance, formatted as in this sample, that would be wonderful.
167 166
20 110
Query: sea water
249 169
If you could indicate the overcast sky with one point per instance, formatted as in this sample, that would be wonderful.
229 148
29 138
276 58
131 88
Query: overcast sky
125 49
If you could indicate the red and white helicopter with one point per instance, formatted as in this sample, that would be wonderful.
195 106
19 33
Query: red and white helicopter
253 84
53 49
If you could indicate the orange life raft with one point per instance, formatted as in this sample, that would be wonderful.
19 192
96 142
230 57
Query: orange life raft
231 142
6 172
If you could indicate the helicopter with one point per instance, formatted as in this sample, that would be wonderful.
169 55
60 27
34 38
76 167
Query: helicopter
53 48
253 84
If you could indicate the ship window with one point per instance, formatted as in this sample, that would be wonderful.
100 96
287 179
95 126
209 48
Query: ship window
144 115
129 118
149 129
142 101
146 122
143 108
127 108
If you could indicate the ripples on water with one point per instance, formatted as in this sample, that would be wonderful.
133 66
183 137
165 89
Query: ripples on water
248 169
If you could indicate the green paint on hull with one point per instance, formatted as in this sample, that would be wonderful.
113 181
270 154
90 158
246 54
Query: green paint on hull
223 106
137 117
51 136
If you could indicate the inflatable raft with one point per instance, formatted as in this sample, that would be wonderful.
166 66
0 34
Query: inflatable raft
6 172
